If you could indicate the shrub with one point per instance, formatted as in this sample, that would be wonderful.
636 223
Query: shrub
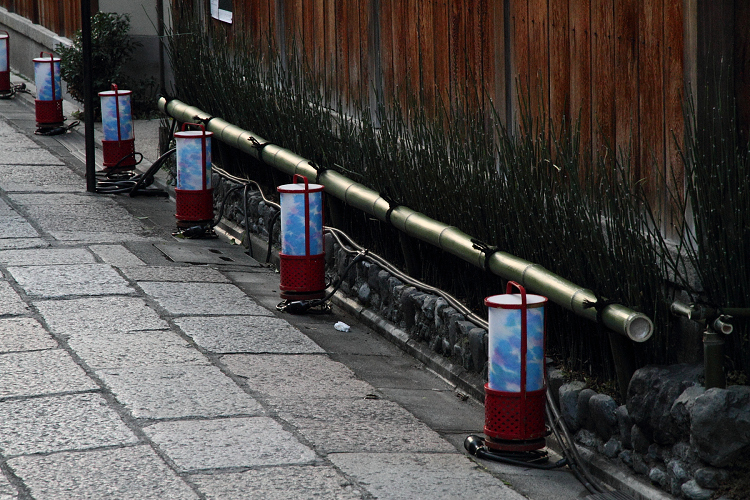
111 49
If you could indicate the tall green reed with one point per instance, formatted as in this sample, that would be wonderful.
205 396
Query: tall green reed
526 193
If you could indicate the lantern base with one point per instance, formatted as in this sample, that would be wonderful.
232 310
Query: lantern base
5 82
302 276
119 154
514 416
49 114
522 446
295 296
194 207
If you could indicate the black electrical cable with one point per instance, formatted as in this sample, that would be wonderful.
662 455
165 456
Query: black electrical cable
380 261
247 220
17 88
223 205
137 184
62 129
475 445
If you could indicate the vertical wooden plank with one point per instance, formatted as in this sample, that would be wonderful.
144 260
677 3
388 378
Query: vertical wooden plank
486 48
292 12
386 48
330 61
364 51
308 34
472 53
265 25
318 37
245 19
457 41
399 50
539 60
441 49
559 64
651 94
673 99
580 73
412 46
627 131
342 52
427 52
497 34
519 11
603 68
353 54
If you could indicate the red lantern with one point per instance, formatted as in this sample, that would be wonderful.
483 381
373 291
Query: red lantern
194 197
49 108
118 144
515 395
302 255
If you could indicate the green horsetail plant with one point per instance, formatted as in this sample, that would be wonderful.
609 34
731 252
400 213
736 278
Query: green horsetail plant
712 260
526 193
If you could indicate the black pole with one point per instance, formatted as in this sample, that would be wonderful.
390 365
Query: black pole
88 108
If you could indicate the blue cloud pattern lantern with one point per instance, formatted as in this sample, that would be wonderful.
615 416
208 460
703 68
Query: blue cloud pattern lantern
118 144
48 103
194 199
4 62
515 393
302 266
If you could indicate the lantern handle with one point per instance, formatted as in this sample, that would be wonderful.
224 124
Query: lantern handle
524 334
51 55
300 176
521 289
187 124
114 87
3 31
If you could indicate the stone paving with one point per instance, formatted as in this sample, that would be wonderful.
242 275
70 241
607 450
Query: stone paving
126 375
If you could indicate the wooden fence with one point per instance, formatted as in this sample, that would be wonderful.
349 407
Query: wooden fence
619 69
61 16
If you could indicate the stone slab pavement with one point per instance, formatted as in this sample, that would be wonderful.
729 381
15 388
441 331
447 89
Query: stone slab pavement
127 374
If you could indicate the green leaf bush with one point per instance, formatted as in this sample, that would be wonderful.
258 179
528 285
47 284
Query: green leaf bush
111 49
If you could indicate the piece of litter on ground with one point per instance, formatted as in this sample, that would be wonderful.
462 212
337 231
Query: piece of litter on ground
341 326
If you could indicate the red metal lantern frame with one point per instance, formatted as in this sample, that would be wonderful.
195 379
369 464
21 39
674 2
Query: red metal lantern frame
514 421
302 277
49 114
195 206
119 154
5 87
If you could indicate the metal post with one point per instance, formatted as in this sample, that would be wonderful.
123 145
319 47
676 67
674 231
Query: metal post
713 359
88 108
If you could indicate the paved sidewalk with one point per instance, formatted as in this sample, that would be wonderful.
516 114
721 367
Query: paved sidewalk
134 365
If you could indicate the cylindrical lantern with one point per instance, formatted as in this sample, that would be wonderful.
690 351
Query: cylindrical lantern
515 395
49 110
4 62
194 196
118 144
302 255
